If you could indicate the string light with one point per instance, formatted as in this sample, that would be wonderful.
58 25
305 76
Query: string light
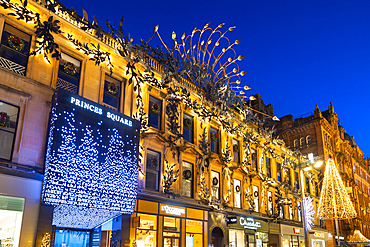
334 200
91 161
357 237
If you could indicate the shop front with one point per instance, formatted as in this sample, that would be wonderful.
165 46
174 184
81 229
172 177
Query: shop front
166 224
317 238
246 231
292 236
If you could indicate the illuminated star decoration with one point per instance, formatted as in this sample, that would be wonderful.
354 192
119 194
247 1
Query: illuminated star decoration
334 199
309 212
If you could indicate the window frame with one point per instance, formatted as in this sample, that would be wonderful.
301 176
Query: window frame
302 141
159 114
236 155
192 179
217 142
254 162
296 143
278 172
218 186
76 57
237 194
7 47
120 98
188 116
158 175
308 139
256 198
15 130
268 166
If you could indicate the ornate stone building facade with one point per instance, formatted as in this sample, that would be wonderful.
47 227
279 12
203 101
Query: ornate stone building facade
322 134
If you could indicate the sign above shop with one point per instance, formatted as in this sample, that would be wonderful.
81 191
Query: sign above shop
319 235
249 223
172 210
297 230
232 220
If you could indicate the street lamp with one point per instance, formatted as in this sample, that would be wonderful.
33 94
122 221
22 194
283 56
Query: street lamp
306 166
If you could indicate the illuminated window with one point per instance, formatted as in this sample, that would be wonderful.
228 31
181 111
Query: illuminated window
11 212
187 179
194 233
256 197
308 139
296 144
112 92
270 203
278 171
236 150
268 167
171 231
8 127
301 141
153 165
14 49
146 234
155 112
214 140
290 212
299 211
215 185
254 159
188 128
236 238
69 73
237 193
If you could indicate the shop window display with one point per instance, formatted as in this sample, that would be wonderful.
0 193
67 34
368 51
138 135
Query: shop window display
194 233
11 212
146 234
71 238
236 238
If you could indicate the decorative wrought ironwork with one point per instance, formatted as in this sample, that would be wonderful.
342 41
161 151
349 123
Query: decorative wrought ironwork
10 65
66 85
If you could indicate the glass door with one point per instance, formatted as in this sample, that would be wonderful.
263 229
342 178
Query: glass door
171 242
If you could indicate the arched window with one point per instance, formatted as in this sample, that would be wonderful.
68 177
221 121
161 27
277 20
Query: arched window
308 139
301 141
296 144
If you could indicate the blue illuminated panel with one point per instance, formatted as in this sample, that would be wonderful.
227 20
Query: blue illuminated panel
91 157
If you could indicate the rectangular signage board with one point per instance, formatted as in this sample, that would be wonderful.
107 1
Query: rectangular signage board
91 156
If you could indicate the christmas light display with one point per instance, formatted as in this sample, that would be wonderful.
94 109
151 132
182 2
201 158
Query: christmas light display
334 200
358 238
309 212
91 157
68 216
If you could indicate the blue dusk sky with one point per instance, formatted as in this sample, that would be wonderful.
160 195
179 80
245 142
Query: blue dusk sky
297 53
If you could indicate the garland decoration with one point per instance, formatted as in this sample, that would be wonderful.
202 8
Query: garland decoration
15 43
255 194
237 188
187 122
69 68
4 120
153 163
215 181
236 148
214 136
154 108
187 174
112 88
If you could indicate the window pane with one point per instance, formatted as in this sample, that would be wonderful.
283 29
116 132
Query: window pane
68 73
256 197
188 125
14 49
268 167
236 150
153 164
146 238
214 140
112 92
215 185
254 159
148 221
187 179
270 203
8 125
155 112
278 171
194 226
171 224
237 193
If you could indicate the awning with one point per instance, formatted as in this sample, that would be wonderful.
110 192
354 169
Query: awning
357 238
